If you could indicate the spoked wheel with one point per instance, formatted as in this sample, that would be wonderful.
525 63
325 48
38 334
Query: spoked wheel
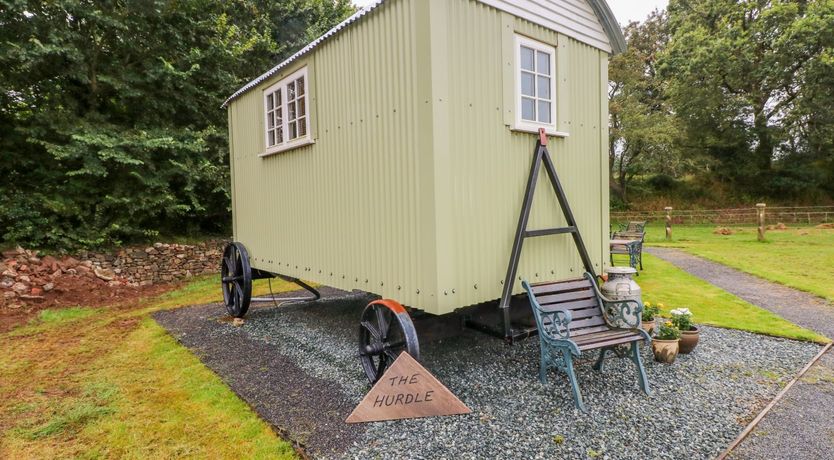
385 331
236 279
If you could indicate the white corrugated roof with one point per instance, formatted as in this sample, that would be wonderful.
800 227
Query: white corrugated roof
342 25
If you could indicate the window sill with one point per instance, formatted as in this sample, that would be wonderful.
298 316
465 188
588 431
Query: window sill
549 130
283 148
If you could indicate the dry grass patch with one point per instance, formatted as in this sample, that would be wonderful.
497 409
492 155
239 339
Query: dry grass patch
110 383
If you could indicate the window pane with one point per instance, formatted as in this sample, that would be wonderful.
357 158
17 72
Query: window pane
544 112
278 98
299 84
291 91
270 138
280 134
542 63
302 127
527 58
270 120
293 132
269 104
291 111
527 85
279 115
543 87
302 109
528 109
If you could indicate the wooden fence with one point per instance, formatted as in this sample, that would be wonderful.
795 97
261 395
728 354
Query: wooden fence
808 215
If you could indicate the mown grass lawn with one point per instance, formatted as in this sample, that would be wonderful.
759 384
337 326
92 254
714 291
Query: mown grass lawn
663 283
93 383
799 257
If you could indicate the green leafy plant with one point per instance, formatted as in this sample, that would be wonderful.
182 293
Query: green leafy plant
650 311
668 331
682 319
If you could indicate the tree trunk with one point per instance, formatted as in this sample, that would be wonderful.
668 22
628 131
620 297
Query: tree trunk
764 145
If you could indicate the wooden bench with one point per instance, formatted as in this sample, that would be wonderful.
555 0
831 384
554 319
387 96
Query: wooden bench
573 316
634 248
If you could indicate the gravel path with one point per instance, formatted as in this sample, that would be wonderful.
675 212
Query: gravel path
802 308
296 366
801 425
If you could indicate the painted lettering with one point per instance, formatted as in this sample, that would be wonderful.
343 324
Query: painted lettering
379 400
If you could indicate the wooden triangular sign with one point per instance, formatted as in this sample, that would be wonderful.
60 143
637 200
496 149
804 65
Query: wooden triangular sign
406 390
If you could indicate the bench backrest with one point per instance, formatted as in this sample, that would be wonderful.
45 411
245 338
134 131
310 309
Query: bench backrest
577 296
636 226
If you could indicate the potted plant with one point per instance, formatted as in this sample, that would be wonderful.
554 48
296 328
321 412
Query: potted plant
682 319
665 343
647 320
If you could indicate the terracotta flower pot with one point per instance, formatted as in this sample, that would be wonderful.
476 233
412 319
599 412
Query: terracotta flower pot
648 326
689 339
665 351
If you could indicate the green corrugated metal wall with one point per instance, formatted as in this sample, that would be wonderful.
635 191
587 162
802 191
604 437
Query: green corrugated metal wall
415 182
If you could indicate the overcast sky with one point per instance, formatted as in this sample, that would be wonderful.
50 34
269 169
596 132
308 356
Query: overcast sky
624 10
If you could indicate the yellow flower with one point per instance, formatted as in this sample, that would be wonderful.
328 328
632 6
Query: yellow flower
661 305
668 323
648 304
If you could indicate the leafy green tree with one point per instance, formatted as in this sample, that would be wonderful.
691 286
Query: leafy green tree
110 121
642 130
741 74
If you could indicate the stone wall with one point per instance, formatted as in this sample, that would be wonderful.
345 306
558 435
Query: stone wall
160 263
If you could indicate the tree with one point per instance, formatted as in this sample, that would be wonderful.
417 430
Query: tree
642 129
738 72
110 111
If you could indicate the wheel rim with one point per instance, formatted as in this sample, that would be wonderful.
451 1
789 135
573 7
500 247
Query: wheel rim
385 331
236 279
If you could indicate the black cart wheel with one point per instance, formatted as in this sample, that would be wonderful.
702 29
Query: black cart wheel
236 279
385 331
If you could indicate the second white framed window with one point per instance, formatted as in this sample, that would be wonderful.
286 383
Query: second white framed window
535 94
286 111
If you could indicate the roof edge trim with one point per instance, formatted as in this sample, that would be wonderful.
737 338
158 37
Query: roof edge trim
610 25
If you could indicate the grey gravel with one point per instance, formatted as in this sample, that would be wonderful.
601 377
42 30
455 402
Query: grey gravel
802 308
698 406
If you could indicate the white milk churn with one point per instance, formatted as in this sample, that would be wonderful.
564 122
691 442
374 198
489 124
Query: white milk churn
621 286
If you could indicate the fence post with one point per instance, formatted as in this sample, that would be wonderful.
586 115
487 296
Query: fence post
760 207
668 223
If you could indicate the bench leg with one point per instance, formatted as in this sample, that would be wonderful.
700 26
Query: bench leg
543 364
641 371
577 396
598 363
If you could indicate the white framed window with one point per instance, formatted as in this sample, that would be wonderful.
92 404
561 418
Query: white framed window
286 113
535 89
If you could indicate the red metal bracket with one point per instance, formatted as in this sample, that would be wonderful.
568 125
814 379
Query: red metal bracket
542 137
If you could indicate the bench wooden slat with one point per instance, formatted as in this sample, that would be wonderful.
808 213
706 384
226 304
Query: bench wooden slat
543 288
565 296
608 343
588 330
587 322
600 336
574 305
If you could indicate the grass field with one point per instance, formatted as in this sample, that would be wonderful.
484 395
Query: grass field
800 257
663 283
92 383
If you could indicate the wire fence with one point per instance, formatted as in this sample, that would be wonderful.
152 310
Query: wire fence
809 215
